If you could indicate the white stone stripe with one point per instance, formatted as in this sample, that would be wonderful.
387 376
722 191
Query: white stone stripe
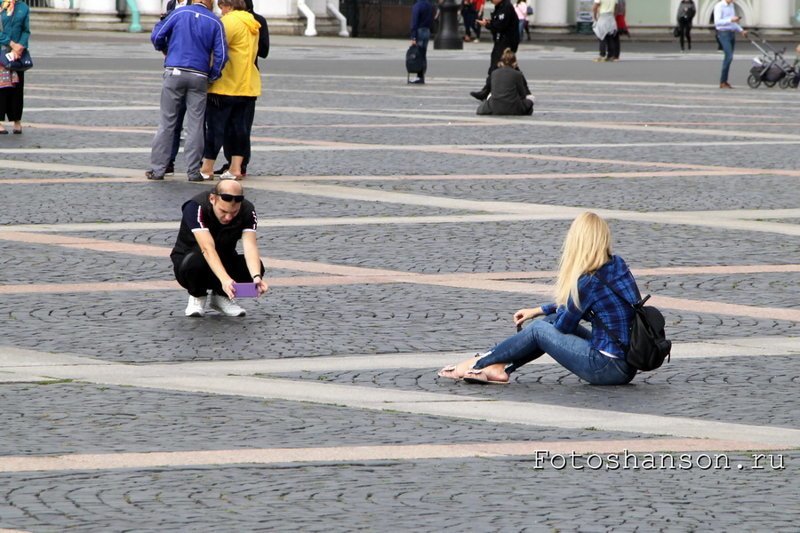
473 408
347 454
14 360
201 378
485 147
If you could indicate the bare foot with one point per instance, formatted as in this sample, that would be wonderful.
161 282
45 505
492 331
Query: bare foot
457 371
491 374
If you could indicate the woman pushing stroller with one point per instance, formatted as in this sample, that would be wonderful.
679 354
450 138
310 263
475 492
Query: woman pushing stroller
588 275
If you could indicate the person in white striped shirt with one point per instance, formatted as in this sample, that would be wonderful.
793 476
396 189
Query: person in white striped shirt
726 21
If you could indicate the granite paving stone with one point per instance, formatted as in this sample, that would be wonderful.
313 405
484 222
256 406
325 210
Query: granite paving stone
161 202
673 193
753 390
442 495
297 322
63 418
92 105
528 246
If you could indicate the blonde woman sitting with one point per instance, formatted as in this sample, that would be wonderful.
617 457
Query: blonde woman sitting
509 89
594 356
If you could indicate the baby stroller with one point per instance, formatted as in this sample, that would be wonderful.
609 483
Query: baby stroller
771 67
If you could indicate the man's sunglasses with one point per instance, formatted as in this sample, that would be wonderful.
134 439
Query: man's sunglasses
225 197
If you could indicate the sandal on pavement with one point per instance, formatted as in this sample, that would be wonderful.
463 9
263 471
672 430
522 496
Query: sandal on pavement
228 176
480 378
449 373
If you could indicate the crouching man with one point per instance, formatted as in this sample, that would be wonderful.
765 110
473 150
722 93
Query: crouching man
205 257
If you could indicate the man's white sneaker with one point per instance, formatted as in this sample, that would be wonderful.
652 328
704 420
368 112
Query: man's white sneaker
226 306
196 306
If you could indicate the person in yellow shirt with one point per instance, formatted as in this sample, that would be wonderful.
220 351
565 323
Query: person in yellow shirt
233 97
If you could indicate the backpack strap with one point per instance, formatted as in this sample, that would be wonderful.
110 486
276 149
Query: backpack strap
611 334
602 324
621 297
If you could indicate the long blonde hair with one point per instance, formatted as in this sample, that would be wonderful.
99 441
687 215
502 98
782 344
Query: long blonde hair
586 248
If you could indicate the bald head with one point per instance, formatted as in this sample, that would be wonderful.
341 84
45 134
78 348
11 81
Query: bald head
226 200
229 187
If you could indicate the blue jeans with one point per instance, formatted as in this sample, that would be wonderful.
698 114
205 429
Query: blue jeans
423 36
728 41
572 351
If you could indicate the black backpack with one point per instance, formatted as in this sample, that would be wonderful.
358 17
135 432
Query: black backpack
415 63
649 344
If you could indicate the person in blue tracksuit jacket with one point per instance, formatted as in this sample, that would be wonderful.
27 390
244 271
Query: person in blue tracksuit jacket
193 39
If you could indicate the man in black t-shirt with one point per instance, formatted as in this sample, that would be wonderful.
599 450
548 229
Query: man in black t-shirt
205 257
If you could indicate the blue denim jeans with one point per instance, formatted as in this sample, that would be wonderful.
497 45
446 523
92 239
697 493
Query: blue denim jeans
572 351
423 37
728 41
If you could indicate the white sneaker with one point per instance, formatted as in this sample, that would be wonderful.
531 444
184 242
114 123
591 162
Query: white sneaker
226 306
196 306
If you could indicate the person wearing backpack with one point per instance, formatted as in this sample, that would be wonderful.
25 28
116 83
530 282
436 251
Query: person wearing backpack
686 13
421 21
595 356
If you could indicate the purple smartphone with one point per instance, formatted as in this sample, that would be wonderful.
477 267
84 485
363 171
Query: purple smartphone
245 290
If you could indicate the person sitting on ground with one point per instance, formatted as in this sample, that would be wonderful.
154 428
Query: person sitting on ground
509 90
205 257
580 294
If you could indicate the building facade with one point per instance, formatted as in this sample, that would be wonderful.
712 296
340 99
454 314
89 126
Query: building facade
312 17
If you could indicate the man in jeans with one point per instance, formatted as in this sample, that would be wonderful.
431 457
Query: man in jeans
727 24
421 21
194 39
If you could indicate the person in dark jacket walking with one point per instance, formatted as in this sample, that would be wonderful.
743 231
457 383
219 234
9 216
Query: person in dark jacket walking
421 21
509 90
504 26
686 13
196 54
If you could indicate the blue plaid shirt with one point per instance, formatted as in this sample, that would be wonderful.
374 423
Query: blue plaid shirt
599 303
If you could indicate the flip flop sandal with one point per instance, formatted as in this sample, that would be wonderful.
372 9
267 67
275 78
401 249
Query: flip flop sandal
450 368
479 378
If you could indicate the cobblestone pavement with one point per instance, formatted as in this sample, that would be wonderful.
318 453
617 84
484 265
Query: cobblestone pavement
400 231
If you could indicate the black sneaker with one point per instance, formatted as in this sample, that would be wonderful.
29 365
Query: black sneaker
170 169
222 169
152 176
199 177
481 95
